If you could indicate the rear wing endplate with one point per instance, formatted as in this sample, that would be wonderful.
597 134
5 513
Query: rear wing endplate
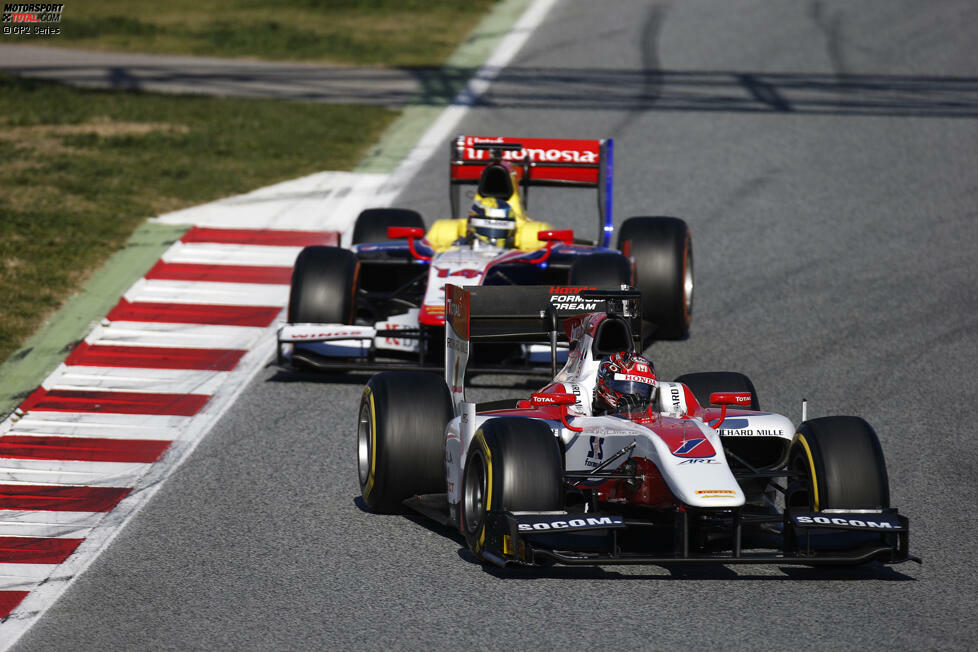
563 162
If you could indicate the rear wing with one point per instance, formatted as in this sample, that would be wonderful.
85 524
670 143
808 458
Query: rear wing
562 162
525 314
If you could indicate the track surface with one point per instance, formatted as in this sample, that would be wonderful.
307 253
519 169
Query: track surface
824 155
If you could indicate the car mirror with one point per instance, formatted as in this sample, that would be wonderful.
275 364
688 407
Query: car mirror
566 236
546 398
731 398
399 232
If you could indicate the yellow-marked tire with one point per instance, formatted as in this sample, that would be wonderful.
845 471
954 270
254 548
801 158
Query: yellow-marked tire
512 464
400 438
838 464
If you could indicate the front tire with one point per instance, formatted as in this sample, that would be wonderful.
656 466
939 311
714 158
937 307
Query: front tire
838 462
372 223
704 383
601 270
662 249
513 464
324 283
401 437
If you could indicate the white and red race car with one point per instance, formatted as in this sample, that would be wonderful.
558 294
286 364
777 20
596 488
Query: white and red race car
698 475
380 304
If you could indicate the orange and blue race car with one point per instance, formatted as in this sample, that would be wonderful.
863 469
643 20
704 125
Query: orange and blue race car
380 304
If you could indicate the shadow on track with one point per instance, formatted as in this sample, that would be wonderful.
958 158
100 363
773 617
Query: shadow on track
581 89
873 571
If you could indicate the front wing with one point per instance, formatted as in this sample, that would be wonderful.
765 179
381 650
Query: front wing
793 538
390 346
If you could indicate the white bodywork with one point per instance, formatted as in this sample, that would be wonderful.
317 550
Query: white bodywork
704 481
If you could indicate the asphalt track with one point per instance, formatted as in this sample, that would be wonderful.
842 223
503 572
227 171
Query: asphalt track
824 154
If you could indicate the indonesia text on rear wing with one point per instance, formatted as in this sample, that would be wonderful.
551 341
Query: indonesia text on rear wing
563 162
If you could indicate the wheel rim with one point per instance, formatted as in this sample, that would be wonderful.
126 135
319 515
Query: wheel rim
364 440
800 469
474 495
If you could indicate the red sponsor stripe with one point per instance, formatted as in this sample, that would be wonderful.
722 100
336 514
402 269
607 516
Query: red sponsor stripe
53 498
151 357
267 237
220 273
36 550
186 313
87 449
9 601
66 400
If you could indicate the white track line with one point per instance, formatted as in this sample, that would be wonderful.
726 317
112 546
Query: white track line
190 336
326 201
122 379
210 253
432 143
80 474
104 426
225 294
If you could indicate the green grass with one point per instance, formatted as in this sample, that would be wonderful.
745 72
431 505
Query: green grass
82 168
371 32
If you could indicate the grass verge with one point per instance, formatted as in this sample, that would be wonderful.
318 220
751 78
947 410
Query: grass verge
396 33
82 168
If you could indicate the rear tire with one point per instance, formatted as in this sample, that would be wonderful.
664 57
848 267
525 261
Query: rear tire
662 249
840 465
401 438
704 383
371 224
601 270
513 464
324 283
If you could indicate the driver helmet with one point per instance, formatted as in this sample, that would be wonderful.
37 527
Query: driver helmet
626 381
492 221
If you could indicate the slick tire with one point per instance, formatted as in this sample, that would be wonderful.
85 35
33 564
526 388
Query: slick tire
662 249
704 383
324 284
401 437
513 464
605 271
838 464
371 224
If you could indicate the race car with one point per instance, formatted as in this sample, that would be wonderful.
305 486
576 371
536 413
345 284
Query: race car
380 304
608 465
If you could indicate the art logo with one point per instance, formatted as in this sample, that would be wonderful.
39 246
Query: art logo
688 446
